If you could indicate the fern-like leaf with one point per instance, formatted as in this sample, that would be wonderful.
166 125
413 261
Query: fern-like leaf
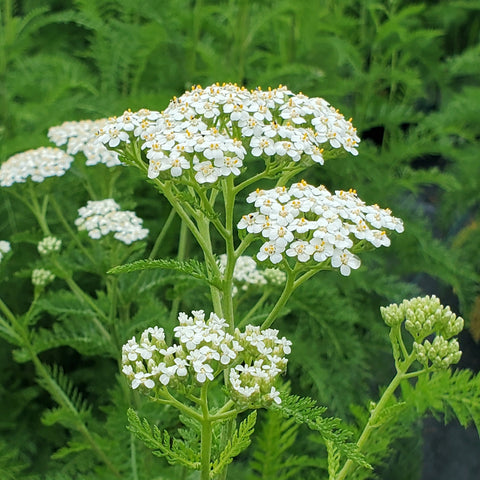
71 447
192 268
73 407
274 441
451 394
305 410
239 441
175 451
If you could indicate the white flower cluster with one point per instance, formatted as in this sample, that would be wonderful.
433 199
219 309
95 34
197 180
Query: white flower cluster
247 274
252 382
208 132
4 248
49 245
42 277
204 350
37 164
307 222
102 217
80 137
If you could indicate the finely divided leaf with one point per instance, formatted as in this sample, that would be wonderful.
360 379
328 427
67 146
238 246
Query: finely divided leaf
175 451
192 268
305 410
239 441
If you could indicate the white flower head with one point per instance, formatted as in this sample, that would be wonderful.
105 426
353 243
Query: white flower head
49 245
5 247
81 136
42 277
99 218
308 223
35 164
206 133
206 348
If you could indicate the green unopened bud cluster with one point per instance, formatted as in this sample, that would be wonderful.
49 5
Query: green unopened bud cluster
440 353
425 316
49 245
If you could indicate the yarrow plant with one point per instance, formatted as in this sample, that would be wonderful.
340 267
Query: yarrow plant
201 147
42 277
49 245
214 153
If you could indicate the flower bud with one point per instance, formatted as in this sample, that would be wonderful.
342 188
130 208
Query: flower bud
49 245
438 354
393 314
42 277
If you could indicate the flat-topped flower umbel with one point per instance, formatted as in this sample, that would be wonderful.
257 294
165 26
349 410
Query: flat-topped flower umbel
255 358
210 132
310 223
101 217
80 137
37 165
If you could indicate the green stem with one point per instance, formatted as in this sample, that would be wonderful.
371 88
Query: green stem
251 180
372 423
181 255
252 311
169 399
10 328
113 300
201 234
83 297
162 234
70 231
206 438
208 206
158 243
245 243
227 299
8 313
282 300
38 212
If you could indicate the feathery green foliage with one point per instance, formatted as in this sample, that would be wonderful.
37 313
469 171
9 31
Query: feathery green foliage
192 268
274 440
174 450
305 410
237 443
